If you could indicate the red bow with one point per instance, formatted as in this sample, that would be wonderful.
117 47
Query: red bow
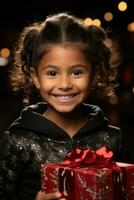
86 157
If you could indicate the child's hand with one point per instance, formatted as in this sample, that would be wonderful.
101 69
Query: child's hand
50 196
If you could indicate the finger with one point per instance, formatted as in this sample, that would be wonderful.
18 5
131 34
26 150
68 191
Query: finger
50 196
62 199
55 195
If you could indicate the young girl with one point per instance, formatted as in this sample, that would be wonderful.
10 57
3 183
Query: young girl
64 60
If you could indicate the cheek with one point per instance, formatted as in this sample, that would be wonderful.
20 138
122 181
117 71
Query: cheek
46 86
85 84
44 90
85 89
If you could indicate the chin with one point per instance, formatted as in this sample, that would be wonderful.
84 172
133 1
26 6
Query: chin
66 109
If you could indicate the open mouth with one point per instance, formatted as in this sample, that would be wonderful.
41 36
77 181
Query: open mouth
65 98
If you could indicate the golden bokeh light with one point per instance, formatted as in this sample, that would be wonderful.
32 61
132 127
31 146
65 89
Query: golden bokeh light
5 52
108 16
130 27
96 22
87 21
122 6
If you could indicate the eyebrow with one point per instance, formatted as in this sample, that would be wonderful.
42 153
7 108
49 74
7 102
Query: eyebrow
49 66
72 66
79 65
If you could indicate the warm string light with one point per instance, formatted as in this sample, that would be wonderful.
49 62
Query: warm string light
4 55
5 52
122 6
88 21
130 27
108 16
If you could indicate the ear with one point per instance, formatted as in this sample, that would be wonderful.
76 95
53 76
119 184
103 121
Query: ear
34 77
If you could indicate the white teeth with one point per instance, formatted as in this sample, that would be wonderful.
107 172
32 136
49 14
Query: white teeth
64 97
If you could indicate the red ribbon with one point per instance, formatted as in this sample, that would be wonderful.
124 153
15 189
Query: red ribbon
87 157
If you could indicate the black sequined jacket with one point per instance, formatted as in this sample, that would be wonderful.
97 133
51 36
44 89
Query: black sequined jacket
32 139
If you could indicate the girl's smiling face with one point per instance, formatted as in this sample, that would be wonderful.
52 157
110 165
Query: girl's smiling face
63 78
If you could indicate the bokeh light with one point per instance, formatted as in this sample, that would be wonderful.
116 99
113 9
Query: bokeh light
108 16
122 6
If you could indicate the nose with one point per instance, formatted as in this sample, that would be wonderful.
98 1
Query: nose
65 83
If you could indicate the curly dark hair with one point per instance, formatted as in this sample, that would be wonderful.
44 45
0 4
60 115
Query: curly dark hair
35 40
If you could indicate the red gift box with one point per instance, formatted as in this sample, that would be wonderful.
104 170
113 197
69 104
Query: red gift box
84 175
127 179
81 184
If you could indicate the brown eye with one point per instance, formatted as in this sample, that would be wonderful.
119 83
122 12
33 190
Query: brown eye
51 73
76 72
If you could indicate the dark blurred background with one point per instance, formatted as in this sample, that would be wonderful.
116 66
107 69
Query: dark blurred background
118 21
